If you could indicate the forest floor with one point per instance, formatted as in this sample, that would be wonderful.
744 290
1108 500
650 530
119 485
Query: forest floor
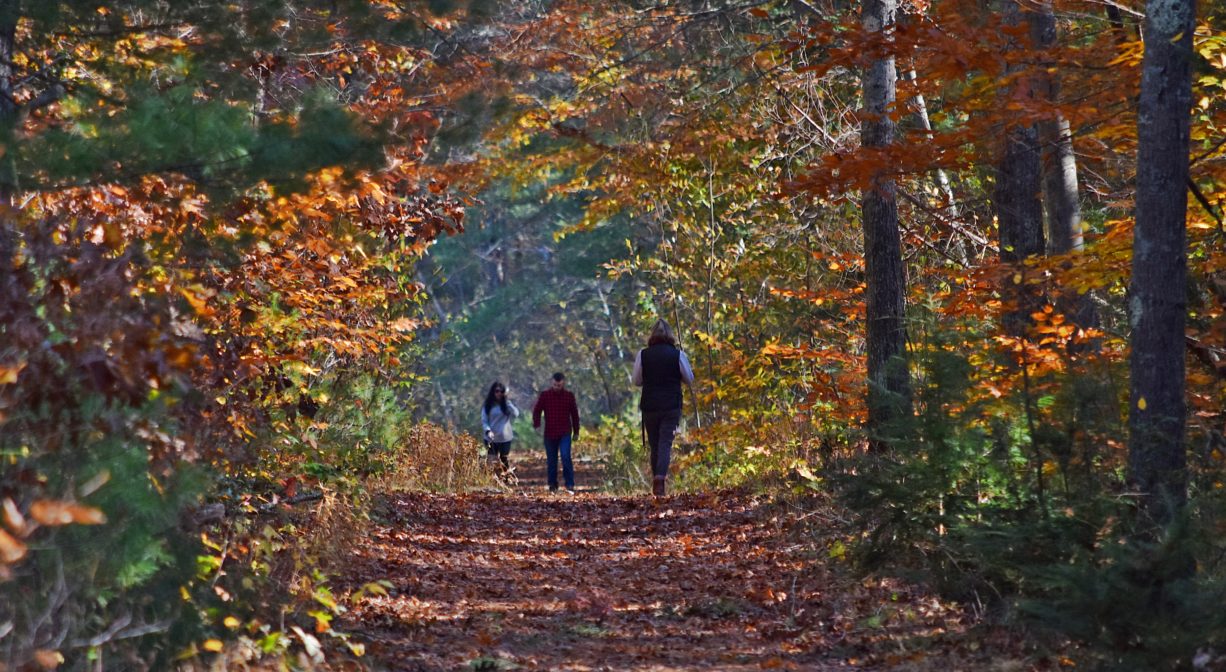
720 581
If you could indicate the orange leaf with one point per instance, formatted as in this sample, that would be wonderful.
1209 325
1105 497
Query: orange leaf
48 660
48 512
86 515
8 374
11 550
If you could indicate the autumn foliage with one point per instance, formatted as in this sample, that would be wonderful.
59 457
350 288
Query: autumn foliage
223 292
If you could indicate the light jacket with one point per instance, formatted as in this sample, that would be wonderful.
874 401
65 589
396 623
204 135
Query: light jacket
494 420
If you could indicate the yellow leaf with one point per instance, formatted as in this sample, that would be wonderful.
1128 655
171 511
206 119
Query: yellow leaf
213 645
232 622
8 374
112 234
837 550
1141 403
198 303
1017 278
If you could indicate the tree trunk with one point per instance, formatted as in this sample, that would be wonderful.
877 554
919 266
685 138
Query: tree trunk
949 207
1060 192
9 15
889 393
1060 186
1019 210
1157 296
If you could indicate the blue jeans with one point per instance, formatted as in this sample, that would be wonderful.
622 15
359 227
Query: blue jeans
552 448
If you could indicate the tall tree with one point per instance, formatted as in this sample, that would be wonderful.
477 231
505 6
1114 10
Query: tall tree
1061 195
1157 300
1019 209
1060 192
889 381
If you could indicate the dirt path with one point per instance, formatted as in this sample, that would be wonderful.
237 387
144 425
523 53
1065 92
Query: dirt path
592 582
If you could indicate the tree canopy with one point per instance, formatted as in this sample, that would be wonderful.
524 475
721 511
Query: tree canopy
958 265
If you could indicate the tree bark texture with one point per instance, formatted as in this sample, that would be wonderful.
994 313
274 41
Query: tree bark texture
889 393
9 15
1061 195
1019 208
1060 192
1158 293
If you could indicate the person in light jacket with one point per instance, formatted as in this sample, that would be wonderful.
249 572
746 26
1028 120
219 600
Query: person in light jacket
659 369
496 415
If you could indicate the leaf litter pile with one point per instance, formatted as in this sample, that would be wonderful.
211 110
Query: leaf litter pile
717 581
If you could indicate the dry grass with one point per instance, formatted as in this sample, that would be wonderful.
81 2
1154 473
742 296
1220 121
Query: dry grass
437 460
337 524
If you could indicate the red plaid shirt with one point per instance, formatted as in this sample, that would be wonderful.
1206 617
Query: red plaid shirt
561 413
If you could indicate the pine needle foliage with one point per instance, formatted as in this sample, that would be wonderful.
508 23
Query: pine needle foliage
1016 505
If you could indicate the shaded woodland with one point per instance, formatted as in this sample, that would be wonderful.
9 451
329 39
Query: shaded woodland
951 274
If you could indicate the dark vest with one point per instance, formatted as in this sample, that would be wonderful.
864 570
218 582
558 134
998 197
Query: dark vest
661 378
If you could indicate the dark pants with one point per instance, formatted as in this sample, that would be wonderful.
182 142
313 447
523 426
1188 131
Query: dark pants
501 450
661 426
552 448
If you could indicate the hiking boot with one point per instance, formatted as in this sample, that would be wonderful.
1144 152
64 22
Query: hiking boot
657 486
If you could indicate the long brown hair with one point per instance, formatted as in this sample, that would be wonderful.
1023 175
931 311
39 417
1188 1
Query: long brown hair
661 333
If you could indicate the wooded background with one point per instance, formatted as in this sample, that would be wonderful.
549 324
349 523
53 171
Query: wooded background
959 263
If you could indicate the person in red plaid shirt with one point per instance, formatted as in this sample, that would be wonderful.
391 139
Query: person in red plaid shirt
561 413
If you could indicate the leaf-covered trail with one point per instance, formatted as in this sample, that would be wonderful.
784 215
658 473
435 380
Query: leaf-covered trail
591 582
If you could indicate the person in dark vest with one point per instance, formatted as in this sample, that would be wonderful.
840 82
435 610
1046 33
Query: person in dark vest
659 369
561 413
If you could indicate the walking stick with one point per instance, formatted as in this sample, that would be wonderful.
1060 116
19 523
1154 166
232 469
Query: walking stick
697 415
646 449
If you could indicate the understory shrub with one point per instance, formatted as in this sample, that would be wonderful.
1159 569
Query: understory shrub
435 459
617 441
1013 499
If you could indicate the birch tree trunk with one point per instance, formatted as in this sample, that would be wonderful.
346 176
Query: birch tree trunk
949 208
1061 195
889 393
1158 293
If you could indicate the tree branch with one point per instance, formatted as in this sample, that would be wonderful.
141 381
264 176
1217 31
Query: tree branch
1204 202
